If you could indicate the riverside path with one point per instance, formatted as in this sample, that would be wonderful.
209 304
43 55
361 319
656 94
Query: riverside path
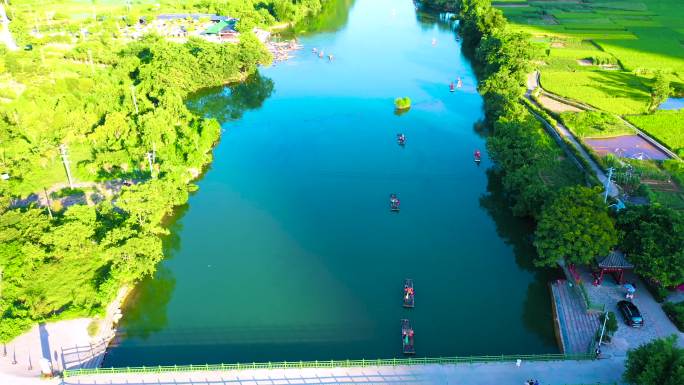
613 191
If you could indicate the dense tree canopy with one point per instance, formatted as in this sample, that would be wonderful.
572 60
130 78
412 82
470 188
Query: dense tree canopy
575 227
658 362
113 103
653 239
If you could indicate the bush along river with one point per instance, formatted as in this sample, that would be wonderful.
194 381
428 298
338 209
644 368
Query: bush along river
289 251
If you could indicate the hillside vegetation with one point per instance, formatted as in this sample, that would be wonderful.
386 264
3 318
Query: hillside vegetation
118 105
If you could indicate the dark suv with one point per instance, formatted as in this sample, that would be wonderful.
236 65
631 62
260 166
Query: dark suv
631 314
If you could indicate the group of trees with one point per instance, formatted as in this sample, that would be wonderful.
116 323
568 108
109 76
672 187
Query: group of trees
129 102
658 362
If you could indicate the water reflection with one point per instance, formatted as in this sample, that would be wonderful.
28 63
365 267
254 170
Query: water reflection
232 102
517 232
427 21
333 17
152 293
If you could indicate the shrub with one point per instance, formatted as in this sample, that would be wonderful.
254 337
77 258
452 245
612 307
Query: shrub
402 103
594 124
675 311
658 362
611 326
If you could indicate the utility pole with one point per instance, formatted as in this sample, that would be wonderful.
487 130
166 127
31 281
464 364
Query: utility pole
92 64
135 100
154 152
65 159
603 329
47 198
610 175
150 161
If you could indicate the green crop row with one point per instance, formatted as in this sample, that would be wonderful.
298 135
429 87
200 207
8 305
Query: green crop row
666 126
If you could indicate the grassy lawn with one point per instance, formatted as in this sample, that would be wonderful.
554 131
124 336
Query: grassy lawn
666 126
590 124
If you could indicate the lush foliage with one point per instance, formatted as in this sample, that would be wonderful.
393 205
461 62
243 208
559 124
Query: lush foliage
402 103
658 362
611 326
112 102
575 227
595 124
529 162
661 90
675 311
653 239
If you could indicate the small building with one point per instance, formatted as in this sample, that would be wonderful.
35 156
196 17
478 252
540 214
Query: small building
224 29
615 263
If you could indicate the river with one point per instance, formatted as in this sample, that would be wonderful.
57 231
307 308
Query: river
288 250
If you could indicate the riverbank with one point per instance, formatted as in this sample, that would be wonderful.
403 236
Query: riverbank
64 344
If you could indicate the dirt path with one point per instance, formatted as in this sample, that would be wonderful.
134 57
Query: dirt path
102 189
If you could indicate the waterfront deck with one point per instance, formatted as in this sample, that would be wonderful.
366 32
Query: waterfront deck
575 326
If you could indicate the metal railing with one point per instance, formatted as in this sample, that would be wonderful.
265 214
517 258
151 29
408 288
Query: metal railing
330 364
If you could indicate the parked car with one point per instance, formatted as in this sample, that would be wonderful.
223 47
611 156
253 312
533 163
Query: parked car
631 314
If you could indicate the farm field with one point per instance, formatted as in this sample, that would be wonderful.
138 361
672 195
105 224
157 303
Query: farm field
605 53
665 126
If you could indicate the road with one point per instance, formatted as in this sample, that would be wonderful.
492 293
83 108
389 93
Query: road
5 35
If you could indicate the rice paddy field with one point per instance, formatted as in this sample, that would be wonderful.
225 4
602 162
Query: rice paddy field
605 53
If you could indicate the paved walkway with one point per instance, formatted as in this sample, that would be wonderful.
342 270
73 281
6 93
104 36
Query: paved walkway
577 326
613 191
656 323
606 371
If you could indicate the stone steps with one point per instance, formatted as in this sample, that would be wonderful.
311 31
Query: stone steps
577 326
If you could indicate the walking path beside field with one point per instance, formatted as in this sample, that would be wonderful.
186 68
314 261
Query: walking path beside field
532 84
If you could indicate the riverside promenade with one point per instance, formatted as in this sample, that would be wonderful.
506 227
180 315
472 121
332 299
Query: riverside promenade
605 371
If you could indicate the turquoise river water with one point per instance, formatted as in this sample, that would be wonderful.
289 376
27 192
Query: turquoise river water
288 250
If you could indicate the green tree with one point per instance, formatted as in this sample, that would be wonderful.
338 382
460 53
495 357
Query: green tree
575 226
658 362
653 239
661 90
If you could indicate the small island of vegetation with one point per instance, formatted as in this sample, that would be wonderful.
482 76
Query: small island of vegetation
402 103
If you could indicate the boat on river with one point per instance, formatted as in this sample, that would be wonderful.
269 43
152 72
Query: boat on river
407 337
401 139
409 294
394 203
